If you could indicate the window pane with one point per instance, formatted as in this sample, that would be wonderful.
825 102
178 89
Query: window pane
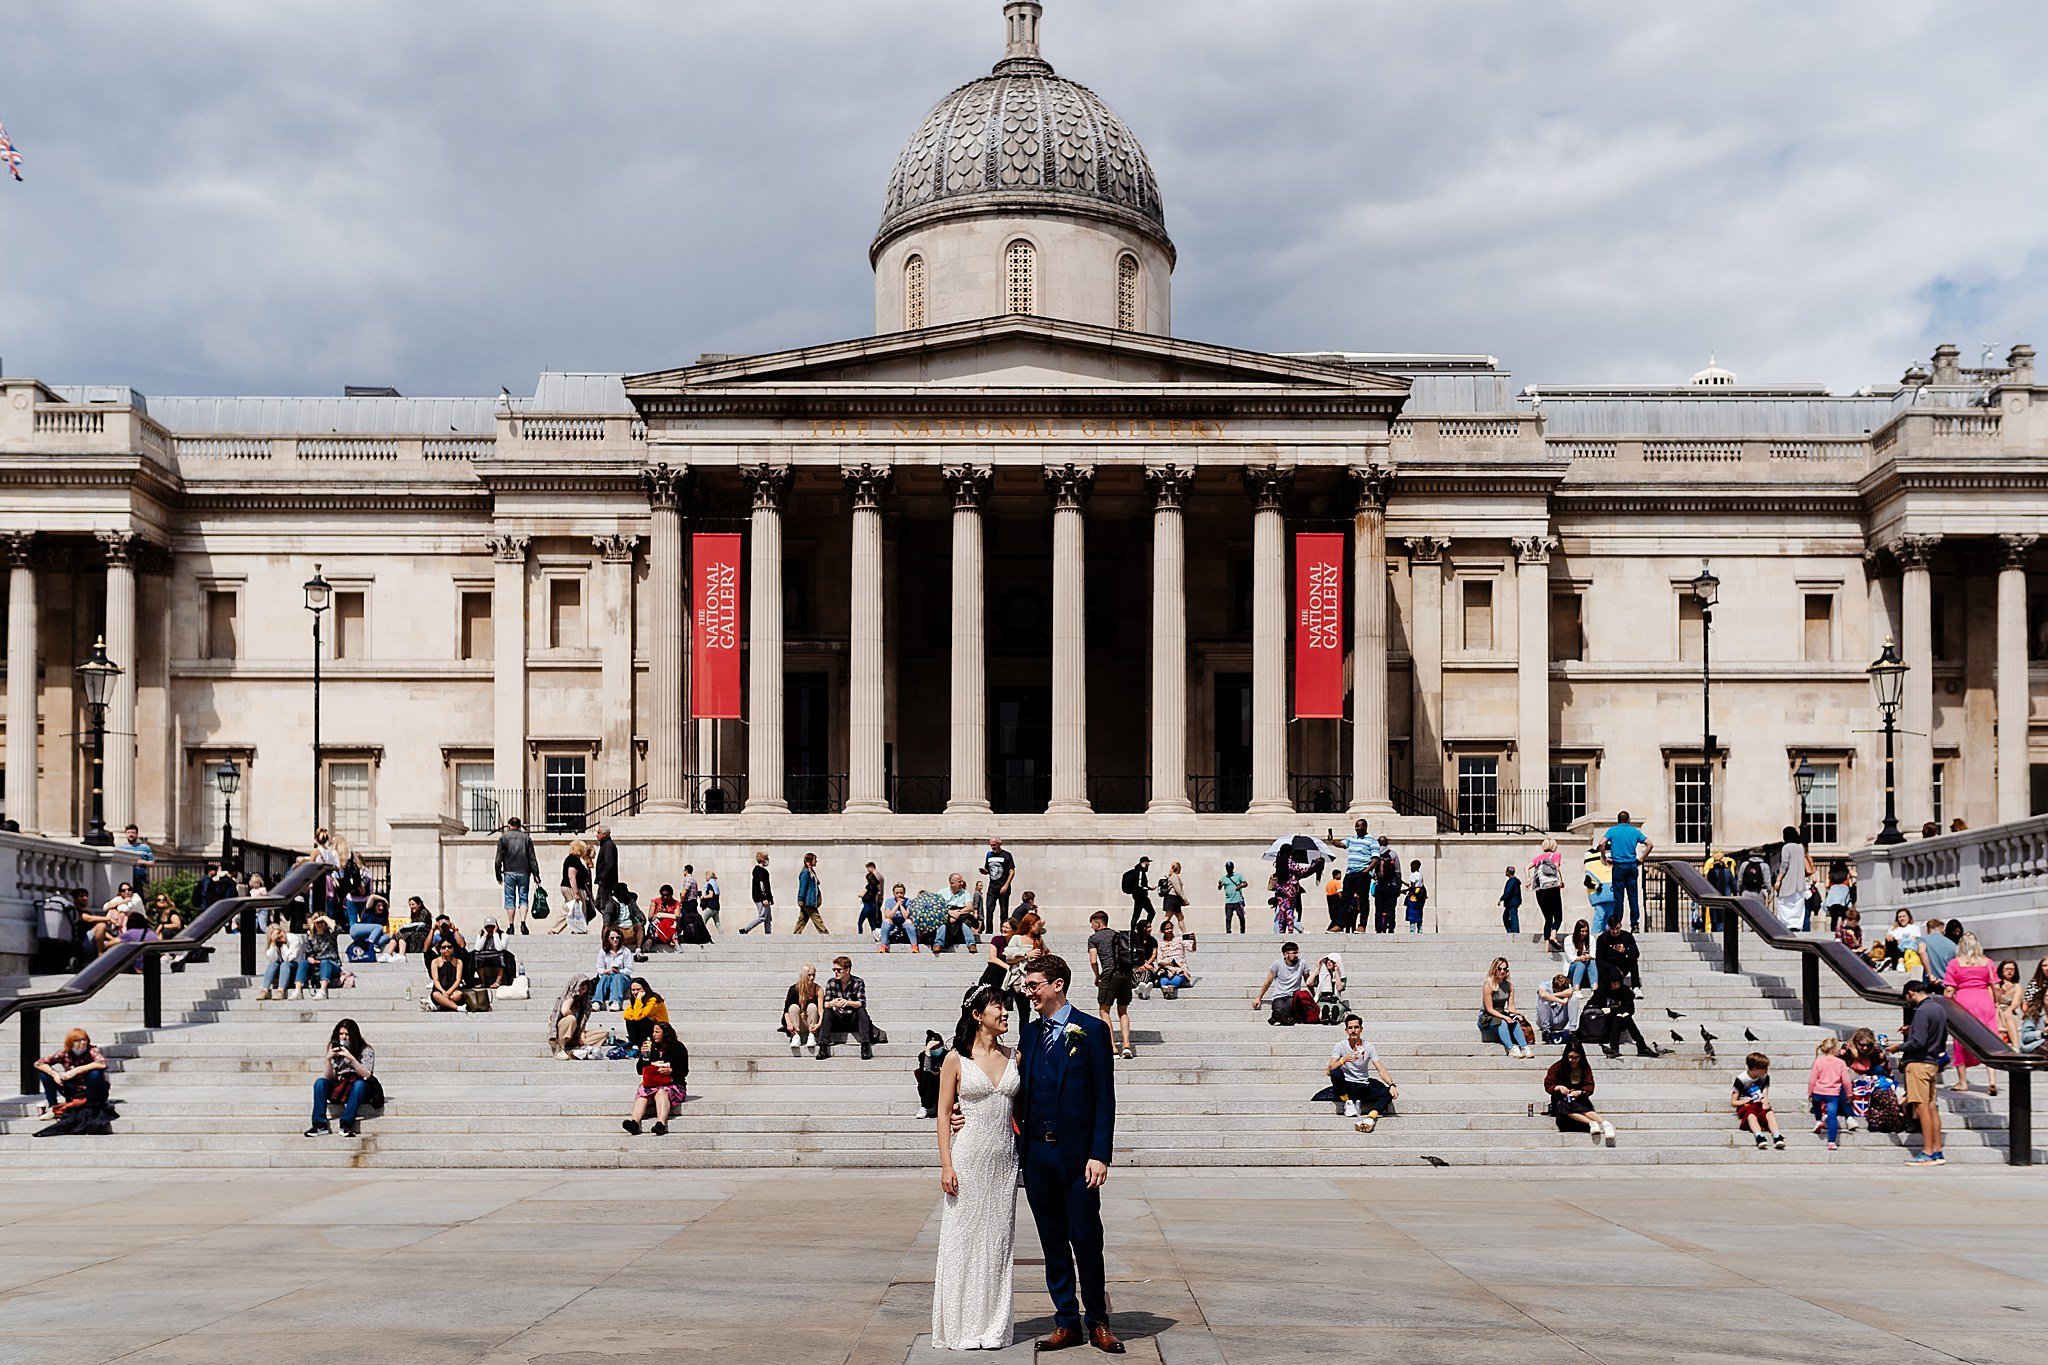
1691 815
1940 790
565 613
1690 626
562 777
348 625
1567 638
1820 627
1478 595
1567 794
476 797
206 828
220 625
1824 805
348 801
1479 794
477 626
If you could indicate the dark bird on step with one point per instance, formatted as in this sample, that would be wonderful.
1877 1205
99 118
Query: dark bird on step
1673 1013
1750 1036
1705 1036
1436 1161
1675 1038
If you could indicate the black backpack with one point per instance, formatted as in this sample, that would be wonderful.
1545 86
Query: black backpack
1133 881
1122 959
1755 877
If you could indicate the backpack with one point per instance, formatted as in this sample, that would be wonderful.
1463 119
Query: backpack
1884 1113
360 951
1546 877
1133 881
1755 878
1123 959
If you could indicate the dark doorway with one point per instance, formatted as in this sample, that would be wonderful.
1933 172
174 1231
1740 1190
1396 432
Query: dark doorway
1233 741
1020 749
807 733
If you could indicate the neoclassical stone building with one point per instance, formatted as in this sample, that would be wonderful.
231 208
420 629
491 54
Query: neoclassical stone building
1022 561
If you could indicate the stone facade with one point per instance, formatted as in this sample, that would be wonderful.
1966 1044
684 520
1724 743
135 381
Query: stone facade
1030 570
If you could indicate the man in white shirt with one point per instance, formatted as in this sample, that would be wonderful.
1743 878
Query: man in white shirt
1352 1064
1286 976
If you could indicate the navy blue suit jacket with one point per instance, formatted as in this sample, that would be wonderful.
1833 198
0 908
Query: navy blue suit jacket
1074 1089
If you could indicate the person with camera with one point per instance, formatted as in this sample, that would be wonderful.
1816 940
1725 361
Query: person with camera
350 1080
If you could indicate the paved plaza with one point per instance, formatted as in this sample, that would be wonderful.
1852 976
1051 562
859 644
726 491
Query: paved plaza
1245 1268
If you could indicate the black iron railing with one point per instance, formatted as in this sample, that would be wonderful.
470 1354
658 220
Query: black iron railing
1119 793
918 794
1417 804
1320 793
1482 810
1220 793
815 793
543 810
716 793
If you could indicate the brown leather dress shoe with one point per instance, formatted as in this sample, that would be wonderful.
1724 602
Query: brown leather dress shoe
1102 1339
1062 1339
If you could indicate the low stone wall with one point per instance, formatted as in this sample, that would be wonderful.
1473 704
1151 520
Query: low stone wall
33 867
1995 880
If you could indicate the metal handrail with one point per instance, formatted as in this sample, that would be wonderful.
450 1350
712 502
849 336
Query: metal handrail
1860 977
116 960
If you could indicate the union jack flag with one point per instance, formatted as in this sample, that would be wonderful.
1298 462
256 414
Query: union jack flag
8 154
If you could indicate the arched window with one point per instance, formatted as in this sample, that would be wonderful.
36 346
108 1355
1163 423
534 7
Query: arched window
913 293
1021 270
1127 294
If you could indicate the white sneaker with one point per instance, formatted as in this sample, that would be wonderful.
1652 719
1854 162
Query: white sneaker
1850 1124
1594 1133
323 992
1367 1124
297 993
1351 1109
1607 1132
796 1047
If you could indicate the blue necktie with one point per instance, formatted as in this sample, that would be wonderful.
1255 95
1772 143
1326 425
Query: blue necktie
1052 1037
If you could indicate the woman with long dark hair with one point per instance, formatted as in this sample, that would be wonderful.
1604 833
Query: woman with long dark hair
350 1079
971 1297
1569 1083
1578 957
644 1009
664 1073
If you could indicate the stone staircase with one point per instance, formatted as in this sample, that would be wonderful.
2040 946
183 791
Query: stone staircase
226 1083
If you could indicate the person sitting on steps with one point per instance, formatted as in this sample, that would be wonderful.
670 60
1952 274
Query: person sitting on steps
75 1071
322 962
1357 1092
846 1009
614 970
1569 1084
803 1009
896 926
446 978
1498 1021
664 1073
350 1079
644 1009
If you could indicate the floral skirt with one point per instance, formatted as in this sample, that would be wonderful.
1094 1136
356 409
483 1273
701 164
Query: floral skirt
675 1093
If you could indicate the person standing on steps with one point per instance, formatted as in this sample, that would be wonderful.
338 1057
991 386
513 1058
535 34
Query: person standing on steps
1510 900
999 867
1925 1045
764 897
1112 959
1232 884
1546 879
575 890
1361 850
870 903
1386 890
515 866
1625 846
604 877
810 895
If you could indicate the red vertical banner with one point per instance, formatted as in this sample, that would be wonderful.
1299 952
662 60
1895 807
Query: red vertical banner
715 646
1319 625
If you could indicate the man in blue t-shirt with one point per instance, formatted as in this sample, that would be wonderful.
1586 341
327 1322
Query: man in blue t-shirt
1626 846
1359 851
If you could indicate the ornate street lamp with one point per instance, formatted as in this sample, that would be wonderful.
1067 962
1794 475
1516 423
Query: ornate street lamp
319 593
1706 590
97 675
1888 682
227 779
1803 778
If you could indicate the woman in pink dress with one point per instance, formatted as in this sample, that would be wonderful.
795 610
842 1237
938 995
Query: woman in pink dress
1969 980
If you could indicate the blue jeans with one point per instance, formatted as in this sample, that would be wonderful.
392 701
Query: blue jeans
372 933
517 892
349 1106
1511 917
317 972
277 976
1829 1108
1174 979
611 988
1628 883
92 1083
1503 1032
895 931
1585 974
870 914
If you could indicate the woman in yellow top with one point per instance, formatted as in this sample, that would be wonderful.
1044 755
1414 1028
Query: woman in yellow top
644 1009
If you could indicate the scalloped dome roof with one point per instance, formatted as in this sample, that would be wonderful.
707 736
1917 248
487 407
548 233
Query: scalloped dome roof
1023 133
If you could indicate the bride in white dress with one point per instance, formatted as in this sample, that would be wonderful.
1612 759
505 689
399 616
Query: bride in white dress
978 1172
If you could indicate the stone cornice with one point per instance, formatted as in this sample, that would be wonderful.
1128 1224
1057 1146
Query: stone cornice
336 500
1124 401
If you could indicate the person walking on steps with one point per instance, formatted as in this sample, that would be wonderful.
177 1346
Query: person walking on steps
810 895
1138 887
1626 846
764 897
1232 884
515 866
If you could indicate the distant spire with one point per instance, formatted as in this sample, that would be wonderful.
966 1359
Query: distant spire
1020 38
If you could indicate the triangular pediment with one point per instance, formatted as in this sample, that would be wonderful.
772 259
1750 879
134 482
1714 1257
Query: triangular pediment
1018 354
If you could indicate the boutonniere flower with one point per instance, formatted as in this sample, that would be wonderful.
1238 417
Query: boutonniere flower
1076 1035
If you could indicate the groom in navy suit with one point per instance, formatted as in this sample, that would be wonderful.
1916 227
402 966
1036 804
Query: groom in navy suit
1066 1124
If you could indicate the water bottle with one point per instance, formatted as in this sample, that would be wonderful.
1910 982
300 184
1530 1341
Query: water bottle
1532 1109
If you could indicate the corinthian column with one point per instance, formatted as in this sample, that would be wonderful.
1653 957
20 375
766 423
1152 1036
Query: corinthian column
1269 488
1069 486
1916 720
967 788
770 486
1170 485
23 761
121 547
667 742
615 625
1426 652
866 793
2011 694
1370 792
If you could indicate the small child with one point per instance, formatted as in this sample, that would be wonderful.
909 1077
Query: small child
1841 892
1751 1102
1511 904
1554 1009
1851 930
1827 1089
1415 896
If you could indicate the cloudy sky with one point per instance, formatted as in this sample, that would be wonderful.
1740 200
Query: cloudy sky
246 196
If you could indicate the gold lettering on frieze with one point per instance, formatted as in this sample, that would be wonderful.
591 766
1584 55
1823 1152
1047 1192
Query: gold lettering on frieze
1017 429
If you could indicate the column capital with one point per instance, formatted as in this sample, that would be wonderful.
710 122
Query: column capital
867 485
668 486
1373 486
615 549
1914 552
1534 549
20 548
1427 549
969 484
1170 484
509 549
1069 485
121 546
2012 550
769 485
1268 486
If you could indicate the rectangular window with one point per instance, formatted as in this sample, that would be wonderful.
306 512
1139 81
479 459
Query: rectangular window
1946 643
2037 625
565 613
348 800
1567 626
221 624
1824 805
477 625
1567 794
1478 795
796 596
1691 814
476 796
350 610
565 795
1820 627
1939 789
1476 595
1691 627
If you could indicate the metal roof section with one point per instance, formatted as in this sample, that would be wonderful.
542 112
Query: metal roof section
1747 413
327 416
578 391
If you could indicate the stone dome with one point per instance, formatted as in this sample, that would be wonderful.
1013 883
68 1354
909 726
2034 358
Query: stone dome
1023 136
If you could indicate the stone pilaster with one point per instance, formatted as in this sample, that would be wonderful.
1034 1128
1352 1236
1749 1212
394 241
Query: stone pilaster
1915 554
615 632
769 485
1069 486
1532 660
1269 488
1371 791
1170 486
122 548
1426 657
2012 704
508 671
866 785
23 758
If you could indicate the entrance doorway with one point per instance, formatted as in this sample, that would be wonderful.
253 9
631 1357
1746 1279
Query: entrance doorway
807 733
1233 741
1020 749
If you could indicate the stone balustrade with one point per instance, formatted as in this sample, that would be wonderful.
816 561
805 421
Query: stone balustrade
33 867
1995 880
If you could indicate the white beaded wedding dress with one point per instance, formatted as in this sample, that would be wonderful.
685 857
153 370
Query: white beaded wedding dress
977 1227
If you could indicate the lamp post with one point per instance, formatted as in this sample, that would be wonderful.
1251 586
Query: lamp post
1706 590
318 594
1802 780
1888 681
97 675
227 779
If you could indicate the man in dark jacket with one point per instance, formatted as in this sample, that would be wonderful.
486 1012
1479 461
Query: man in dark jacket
1139 889
515 866
1924 1051
604 874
